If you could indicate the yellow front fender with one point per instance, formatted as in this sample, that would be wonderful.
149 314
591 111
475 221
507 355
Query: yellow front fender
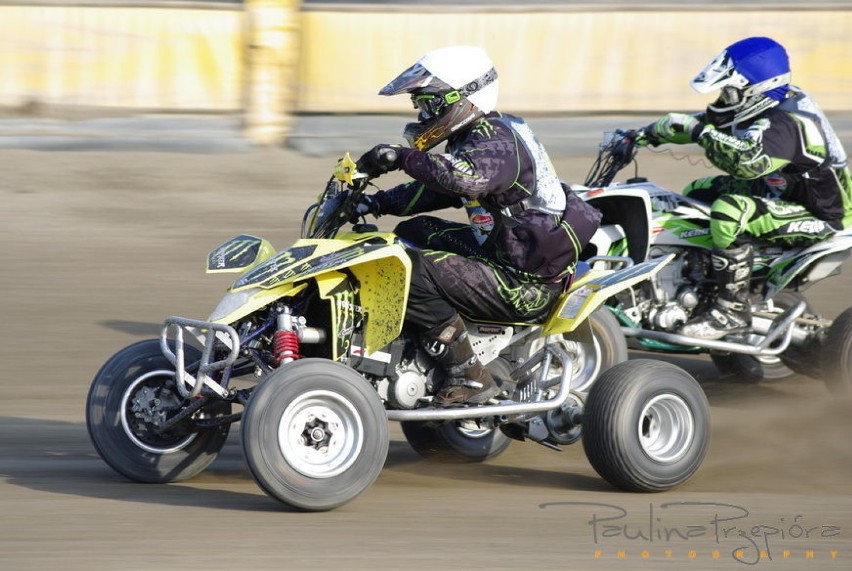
237 304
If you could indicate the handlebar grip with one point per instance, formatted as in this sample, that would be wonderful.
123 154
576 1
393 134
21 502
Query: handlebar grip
388 156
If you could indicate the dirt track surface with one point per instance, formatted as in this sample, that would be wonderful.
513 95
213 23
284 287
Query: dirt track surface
97 248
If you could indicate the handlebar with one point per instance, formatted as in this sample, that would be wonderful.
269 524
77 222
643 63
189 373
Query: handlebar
336 204
614 153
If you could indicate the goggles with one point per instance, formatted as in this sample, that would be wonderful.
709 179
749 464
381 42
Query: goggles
432 105
731 95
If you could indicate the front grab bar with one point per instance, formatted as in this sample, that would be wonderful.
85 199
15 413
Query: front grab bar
207 333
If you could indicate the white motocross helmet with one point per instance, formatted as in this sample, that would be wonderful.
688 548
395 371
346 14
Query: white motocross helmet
753 74
451 87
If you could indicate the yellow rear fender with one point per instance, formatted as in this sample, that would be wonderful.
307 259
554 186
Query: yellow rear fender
593 289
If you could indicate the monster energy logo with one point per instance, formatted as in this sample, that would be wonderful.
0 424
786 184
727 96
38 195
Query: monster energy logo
347 318
484 129
238 252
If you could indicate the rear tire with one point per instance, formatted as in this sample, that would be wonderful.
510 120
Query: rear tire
315 435
836 354
455 441
750 369
646 426
608 348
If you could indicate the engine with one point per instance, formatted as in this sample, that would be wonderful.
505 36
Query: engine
402 374
411 384
678 289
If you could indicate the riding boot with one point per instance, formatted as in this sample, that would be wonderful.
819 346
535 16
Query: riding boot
468 382
731 312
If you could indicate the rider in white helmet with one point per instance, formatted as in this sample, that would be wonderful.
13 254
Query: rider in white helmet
529 229
787 178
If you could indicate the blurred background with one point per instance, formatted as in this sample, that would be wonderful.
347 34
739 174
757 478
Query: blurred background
265 69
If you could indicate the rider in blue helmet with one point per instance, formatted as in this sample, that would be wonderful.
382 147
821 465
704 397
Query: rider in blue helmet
753 76
787 181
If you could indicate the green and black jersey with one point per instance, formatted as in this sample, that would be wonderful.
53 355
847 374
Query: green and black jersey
540 228
793 141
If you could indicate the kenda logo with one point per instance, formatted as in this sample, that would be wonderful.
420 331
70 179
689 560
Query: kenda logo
807 226
695 232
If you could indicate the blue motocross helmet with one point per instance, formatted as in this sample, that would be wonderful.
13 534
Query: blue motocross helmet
753 75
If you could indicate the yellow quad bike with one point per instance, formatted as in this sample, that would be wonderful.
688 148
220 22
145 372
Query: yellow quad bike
310 342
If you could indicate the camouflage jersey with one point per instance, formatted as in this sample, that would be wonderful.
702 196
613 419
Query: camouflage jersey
793 147
539 228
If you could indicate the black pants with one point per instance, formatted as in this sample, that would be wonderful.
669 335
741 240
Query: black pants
451 274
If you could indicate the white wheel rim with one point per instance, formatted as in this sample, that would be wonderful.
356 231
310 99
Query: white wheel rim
471 429
125 423
666 428
586 363
320 434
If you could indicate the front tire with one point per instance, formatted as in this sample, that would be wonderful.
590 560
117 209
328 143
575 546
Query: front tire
836 354
133 392
315 435
646 426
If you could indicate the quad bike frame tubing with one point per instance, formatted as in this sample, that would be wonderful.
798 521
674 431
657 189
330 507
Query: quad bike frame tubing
510 408
207 333
781 328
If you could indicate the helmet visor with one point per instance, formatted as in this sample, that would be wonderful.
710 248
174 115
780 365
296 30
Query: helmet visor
414 78
717 74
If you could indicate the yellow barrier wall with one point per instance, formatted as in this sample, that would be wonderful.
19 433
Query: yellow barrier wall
161 58
266 57
574 61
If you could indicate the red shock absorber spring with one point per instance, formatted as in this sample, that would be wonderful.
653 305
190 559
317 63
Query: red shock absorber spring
285 346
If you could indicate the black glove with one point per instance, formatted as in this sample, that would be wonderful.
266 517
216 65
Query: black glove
366 205
380 160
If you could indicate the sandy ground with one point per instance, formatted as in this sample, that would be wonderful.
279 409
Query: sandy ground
99 247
